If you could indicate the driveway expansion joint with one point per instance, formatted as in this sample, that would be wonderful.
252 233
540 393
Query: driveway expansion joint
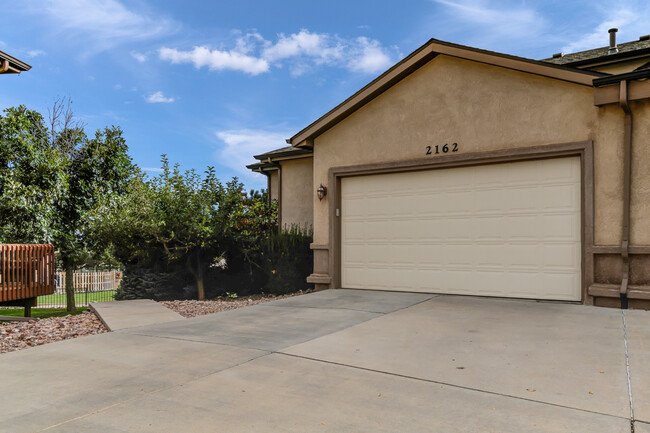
627 369
331 308
148 393
419 379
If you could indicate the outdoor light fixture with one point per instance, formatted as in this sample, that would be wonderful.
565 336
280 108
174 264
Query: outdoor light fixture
321 191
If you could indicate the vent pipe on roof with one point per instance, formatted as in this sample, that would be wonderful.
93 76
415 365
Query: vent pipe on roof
613 49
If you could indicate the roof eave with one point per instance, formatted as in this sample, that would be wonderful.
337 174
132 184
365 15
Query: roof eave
299 153
17 66
421 56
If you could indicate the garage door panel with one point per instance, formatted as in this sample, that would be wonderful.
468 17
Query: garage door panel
508 229
560 227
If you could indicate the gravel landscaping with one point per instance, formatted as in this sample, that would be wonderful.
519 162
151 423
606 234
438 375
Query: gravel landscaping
21 335
199 308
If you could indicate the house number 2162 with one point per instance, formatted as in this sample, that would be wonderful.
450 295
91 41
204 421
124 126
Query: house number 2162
446 148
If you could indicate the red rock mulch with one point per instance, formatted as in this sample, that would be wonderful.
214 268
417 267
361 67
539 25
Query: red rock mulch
21 335
199 308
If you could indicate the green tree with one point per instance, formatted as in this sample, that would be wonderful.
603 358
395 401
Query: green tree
30 177
52 177
93 168
183 218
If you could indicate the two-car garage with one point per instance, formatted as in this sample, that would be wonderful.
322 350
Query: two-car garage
505 229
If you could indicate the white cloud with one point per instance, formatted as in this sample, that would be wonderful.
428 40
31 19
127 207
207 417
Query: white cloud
117 86
631 18
301 51
138 56
35 53
495 21
100 24
323 48
371 57
152 170
241 144
158 98
216 59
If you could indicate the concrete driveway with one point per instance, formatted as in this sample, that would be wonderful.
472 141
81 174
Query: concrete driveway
345 361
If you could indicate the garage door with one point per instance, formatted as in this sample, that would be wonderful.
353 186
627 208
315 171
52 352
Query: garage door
509 230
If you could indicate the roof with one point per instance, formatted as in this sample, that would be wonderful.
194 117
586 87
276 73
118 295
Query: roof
261 166
288 152
626 49
423 55
11 65
283 152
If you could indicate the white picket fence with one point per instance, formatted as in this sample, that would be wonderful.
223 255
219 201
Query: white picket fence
89 281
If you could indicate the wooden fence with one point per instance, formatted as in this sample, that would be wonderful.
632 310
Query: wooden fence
26 271
85 281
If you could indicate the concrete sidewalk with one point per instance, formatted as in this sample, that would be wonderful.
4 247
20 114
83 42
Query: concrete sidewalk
344 361
118 315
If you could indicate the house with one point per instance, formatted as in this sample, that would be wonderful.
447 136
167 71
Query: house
471 172
11 65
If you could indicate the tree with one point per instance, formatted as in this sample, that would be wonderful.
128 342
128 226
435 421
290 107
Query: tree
51 178
183 218
30 177
93 168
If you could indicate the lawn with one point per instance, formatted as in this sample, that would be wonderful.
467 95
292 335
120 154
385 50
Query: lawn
40 313
79 298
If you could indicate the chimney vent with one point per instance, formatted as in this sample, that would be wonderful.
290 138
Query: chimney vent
645 38
613 49
558 55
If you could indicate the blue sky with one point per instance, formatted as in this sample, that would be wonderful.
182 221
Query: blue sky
214 82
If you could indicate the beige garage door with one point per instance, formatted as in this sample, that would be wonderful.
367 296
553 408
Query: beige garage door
510 230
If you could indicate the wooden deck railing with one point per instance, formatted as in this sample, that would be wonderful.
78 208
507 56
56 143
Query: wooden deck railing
26 271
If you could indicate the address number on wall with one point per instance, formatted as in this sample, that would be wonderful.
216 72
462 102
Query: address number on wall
445 148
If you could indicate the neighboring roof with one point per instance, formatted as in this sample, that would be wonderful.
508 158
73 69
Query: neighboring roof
283 152
261 166
625 50
420 57
11 65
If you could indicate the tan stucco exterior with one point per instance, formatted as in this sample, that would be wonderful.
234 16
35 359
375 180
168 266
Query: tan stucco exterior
274 184
620 67
490 108
297 192
485 108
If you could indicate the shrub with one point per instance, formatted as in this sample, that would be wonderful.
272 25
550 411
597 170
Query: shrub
287 260
159 286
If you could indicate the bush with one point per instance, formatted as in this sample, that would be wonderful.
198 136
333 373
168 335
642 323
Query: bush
278 262
159 286
287 260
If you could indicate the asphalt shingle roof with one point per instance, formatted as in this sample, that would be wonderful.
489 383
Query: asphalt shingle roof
624 49
283 151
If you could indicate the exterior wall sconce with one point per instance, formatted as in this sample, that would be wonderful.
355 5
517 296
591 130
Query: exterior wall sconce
321 191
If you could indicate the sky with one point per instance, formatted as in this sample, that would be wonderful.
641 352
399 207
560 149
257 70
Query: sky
212 83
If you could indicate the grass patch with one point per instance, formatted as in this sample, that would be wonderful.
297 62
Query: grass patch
79 298
41 313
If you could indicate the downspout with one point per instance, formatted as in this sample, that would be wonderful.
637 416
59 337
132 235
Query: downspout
627 183
5 67
275 164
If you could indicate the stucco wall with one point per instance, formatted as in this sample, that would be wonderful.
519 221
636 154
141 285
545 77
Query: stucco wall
275 188
297 192
484 108
620 68
640 197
